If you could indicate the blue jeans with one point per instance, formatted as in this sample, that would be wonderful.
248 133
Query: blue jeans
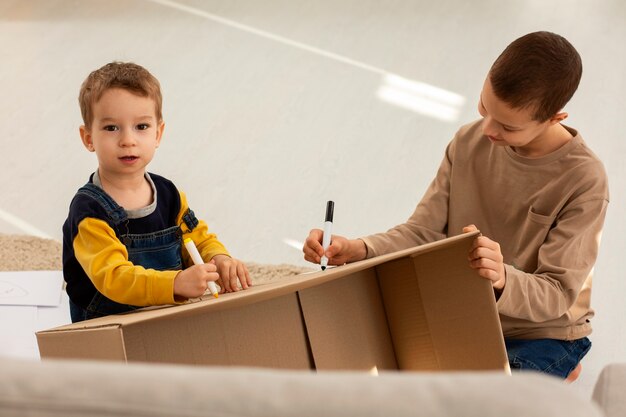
550 356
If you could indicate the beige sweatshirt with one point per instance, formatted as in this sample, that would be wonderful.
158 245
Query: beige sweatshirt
546 213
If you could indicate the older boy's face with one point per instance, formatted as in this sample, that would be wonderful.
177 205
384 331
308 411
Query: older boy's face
506 126
124 134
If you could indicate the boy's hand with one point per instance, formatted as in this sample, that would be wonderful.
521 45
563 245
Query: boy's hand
193 281
231 270
340 251
486 258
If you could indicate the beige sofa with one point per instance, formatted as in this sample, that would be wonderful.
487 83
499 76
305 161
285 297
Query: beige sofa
609 391
74 388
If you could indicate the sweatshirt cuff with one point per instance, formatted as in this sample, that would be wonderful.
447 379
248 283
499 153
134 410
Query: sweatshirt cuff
503 300
369 248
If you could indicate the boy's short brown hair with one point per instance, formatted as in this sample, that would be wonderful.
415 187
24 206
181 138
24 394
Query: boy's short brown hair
125 75
540 70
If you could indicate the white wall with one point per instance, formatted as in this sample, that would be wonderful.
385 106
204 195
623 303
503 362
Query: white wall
271 109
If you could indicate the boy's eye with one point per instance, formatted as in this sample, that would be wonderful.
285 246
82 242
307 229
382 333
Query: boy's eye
110 128
143 126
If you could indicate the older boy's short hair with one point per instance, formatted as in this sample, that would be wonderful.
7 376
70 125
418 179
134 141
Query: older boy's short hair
124 75
540 70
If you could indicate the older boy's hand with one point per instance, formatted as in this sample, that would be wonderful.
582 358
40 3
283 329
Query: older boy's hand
193 281
231 270
486 258
340 251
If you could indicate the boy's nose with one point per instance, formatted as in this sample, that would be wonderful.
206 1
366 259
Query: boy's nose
127 138
490 127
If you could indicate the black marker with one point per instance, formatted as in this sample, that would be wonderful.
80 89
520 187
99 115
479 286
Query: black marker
328 231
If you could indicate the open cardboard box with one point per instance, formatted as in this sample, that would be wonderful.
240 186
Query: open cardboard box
422 308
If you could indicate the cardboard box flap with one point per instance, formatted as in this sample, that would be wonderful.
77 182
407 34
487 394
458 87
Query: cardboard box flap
256 293
316 278
208 304
267 333
419 309
104 342
442 316
346 324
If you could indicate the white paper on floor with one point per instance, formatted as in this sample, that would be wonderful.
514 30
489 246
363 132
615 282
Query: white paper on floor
31 288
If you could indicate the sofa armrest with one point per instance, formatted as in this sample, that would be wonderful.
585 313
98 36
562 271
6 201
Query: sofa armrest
609 390
72 388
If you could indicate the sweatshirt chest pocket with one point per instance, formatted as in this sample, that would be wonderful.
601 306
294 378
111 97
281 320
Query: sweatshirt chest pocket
530 235
542 219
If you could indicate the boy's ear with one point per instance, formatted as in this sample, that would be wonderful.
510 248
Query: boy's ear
85 136
160 129
558 118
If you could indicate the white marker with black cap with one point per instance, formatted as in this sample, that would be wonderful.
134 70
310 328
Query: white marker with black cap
328 231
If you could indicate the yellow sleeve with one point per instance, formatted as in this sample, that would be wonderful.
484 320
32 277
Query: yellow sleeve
105 261
207 243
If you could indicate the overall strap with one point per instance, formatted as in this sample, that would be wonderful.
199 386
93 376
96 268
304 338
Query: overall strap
190 219
115 212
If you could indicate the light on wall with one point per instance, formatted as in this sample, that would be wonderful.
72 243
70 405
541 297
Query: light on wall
421 98
296 244
22 225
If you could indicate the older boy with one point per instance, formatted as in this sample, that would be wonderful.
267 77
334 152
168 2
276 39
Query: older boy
537 193
122 238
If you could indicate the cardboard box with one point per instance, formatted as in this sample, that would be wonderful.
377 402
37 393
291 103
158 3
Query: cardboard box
418 309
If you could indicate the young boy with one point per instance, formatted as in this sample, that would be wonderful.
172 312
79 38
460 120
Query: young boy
122 240
538 195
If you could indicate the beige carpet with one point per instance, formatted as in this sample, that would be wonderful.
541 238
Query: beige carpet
27 253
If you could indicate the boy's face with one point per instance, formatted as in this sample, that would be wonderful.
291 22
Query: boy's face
507 126
124 133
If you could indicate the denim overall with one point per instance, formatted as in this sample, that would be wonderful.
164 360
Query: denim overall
160 250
